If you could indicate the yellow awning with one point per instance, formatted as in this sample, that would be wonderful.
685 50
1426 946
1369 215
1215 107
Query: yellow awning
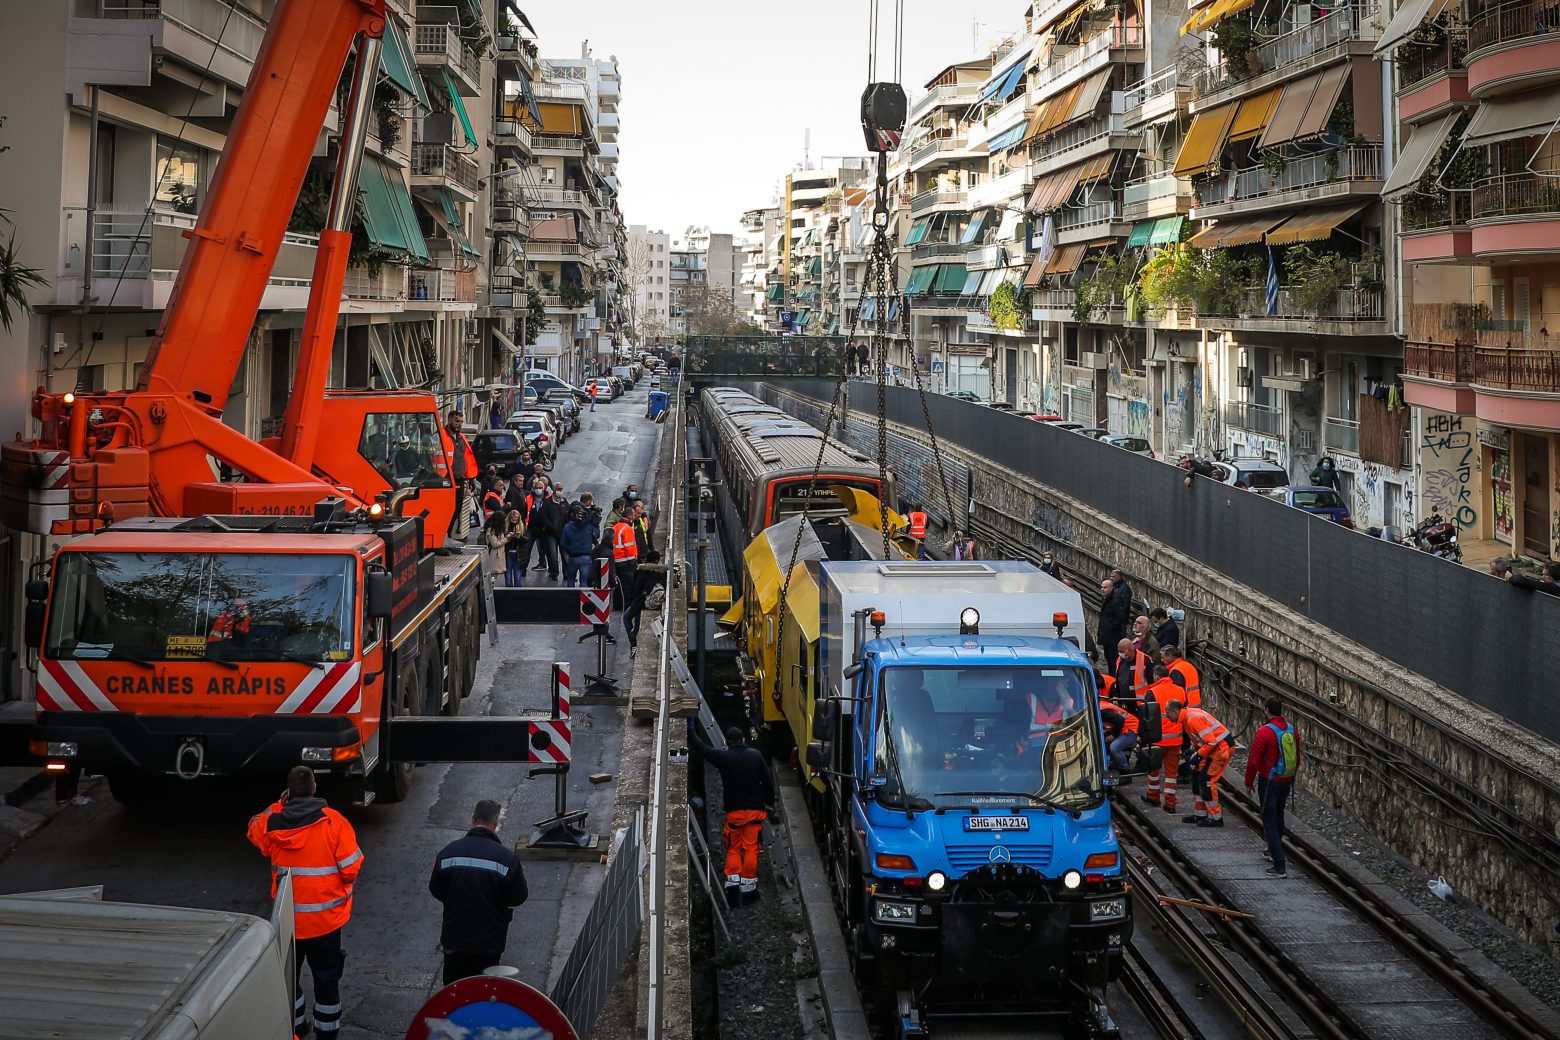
1061 108
1072 19
732 617
1220 10
1312 226
1249 232
1254 113
1204 140
1209 236
556 118
1203 18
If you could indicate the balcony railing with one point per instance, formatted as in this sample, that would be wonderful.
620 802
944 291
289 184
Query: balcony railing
1052 300
1115 38
927 199
1076 137
930 249
1444 362
1341 434
1258 418
1418 65
937 95
130 243
1146 189
442 285
1351 163
1332 27
1352 304
1512 21
440 160
1084 216
545 197
1510 194
239 32
388 283
1164 81
558 143
941 144
1526 369
1436 212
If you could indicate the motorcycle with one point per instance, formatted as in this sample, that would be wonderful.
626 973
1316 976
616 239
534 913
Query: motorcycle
1436 537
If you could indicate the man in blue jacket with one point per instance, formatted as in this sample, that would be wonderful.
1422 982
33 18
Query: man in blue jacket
479 881
577 541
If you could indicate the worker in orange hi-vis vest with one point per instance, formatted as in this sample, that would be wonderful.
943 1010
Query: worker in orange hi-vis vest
916 528
1162 779
1212 748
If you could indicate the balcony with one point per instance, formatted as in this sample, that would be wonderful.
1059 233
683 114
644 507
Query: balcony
950 147
201 33
1435 228
574 251
1349 312
1147 197
441 286
1350 170
930 201
1513 46
1516 214
1087 58
995 191
516 53
1086 223
387 285
1275 61
947 94
439 165
438 44
1159 95
1255 418
511 138
136 254
930 250
1052 304
1341 435
1503 385
558 198
1081 142
557 144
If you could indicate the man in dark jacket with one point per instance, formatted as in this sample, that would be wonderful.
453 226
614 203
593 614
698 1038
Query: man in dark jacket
1115 611
479 881
748 790
547 520
578 539
1166 631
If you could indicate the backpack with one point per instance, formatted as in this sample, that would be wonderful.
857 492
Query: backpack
1288 753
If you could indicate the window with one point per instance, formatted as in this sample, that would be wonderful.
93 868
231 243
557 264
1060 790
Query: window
179 182
405 448
549 175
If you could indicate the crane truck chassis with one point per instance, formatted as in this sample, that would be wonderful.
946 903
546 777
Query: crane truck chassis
220 645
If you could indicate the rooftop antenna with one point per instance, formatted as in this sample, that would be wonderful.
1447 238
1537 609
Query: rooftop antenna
807 148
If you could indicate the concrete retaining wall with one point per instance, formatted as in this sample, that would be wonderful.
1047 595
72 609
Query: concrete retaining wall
1454 788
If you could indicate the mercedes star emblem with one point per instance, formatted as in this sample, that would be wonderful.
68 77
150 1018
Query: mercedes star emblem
1000 854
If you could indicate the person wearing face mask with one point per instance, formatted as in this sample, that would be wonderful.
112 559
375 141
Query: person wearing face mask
1050 566
547 520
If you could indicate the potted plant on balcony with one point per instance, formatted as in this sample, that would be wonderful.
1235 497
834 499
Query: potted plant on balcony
1234 40
1315 278
387 100
1274 164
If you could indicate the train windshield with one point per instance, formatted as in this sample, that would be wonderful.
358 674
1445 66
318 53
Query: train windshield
160 606
987 736
817 500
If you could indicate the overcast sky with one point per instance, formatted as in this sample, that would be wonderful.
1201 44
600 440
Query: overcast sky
717 94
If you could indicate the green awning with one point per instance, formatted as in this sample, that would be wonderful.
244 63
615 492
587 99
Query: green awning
1140 232
1166 230
802 318
388 216
920 281
950 278
398 65
815 267
917 231
459 108
455 225
834 327
776 293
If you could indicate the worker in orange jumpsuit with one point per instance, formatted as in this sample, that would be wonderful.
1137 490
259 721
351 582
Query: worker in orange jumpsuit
232 623
1163 778
747 790
315 846
1212 747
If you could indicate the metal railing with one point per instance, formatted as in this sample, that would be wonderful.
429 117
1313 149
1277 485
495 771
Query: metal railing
1164 81
1436 212
1444 362
1350 163
937 95
1352 304
558 197
1115 38
439 38
1083 216
1080 136
936 197
930 249
558 143
1341 434
1053 299
142 242
1422 64
927 149
1146 189
1258 418
1512 21
1509 194
1297 45
610 934
440 160
240 32
388 283
1517 368
442 285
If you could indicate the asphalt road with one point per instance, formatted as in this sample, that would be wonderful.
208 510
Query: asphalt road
193 852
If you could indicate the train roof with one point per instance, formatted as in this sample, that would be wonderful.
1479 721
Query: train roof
775 439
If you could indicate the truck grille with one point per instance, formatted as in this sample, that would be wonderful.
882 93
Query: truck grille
964 858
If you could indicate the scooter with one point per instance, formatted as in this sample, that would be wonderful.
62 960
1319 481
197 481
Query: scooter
1436 537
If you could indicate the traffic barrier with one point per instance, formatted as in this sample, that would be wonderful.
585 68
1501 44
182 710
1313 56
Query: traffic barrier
610 936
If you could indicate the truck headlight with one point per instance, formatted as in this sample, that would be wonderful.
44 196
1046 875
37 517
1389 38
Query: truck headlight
936 881
886 912
318 754
63 749
1108 909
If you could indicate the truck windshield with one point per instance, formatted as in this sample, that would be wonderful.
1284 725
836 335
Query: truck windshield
405 448
987 736
164 606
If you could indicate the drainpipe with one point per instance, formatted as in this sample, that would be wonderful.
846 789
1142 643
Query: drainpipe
92 182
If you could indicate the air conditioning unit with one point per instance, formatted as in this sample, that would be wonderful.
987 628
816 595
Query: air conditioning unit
1243 377
1098 362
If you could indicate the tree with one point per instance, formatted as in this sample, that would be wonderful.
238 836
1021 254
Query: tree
711 311
15 277
636 280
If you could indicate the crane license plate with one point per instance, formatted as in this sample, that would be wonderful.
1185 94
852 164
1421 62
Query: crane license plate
996 823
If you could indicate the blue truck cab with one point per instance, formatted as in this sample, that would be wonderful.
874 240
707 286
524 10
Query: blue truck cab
968 824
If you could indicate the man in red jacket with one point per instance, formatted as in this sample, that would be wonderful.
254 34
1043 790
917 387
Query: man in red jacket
1272 763
315 845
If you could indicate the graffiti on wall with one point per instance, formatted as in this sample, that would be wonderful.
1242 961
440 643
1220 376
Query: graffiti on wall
1448 463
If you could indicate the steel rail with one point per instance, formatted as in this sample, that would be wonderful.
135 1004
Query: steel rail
655 959
1154 999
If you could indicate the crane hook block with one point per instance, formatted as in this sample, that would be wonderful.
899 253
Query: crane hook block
883 109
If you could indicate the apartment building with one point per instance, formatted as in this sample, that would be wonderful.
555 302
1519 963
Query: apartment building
797 284
1476 187
759 227
648 272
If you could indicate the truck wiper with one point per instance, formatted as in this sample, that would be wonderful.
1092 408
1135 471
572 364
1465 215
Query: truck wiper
1050 806
288 655
116 654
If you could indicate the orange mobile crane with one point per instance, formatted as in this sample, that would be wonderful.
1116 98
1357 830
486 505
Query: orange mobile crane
290 612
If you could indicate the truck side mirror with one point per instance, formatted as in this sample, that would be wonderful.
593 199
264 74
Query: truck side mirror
37 605
826 719
376 589
818 755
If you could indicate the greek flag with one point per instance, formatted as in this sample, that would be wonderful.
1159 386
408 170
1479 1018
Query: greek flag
1272 286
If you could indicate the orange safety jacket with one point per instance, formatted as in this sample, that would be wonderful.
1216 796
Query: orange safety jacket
1190 682
1164 691
313 844
1141 672
226 625
1129 723
1203 728
917 524
625 548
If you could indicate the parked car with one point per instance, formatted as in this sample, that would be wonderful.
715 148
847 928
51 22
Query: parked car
1319 500
964 395
1066 424
609 390
538 428
566 401
1136 445
655 380
559 419
544 380
501 448
625 373
1251 472
619 386
1095 433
